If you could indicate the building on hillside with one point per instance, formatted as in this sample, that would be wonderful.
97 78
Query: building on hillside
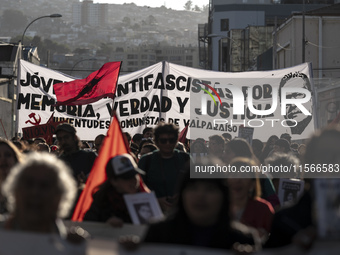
88 13
133 59
138 58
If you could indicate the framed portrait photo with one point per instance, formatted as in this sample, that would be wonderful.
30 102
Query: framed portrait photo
290 190
143 208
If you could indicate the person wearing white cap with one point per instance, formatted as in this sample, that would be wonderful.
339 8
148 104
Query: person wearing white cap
123 177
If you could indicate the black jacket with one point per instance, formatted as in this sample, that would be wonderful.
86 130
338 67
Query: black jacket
175 231
288 221
107 203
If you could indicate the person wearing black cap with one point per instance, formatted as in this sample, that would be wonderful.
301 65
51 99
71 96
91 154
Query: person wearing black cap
123 177
80 161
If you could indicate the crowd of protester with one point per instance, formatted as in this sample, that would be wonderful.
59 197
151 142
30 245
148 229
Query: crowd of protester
41 183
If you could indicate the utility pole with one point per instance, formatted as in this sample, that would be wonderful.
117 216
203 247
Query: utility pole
303 32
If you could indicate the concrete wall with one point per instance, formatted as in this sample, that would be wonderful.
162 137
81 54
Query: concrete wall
221 2
322 50
237 20
6 118
322 47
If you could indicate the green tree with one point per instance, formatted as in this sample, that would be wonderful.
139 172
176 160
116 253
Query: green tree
197 8
188 5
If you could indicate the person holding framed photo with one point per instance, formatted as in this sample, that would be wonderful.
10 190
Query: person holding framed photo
123 177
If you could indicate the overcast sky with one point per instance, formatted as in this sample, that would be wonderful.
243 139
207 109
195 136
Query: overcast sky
173 4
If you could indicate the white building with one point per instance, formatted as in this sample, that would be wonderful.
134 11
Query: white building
226 15
322 42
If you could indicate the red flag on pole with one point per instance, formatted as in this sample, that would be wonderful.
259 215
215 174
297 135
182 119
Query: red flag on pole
99 84
183 135
114 144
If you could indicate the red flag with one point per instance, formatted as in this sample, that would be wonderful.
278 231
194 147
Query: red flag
97 85
50 120
113 145
44 130
183 135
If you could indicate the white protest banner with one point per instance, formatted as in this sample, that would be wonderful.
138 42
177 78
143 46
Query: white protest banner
36 99
174 93
271 102
135 97
181 95
139 100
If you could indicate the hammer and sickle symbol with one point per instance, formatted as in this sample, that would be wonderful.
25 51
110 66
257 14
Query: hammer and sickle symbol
36 121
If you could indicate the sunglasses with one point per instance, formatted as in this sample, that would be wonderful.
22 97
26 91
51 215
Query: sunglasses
165 140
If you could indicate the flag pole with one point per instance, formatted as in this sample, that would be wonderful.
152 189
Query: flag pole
113 99
18 90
